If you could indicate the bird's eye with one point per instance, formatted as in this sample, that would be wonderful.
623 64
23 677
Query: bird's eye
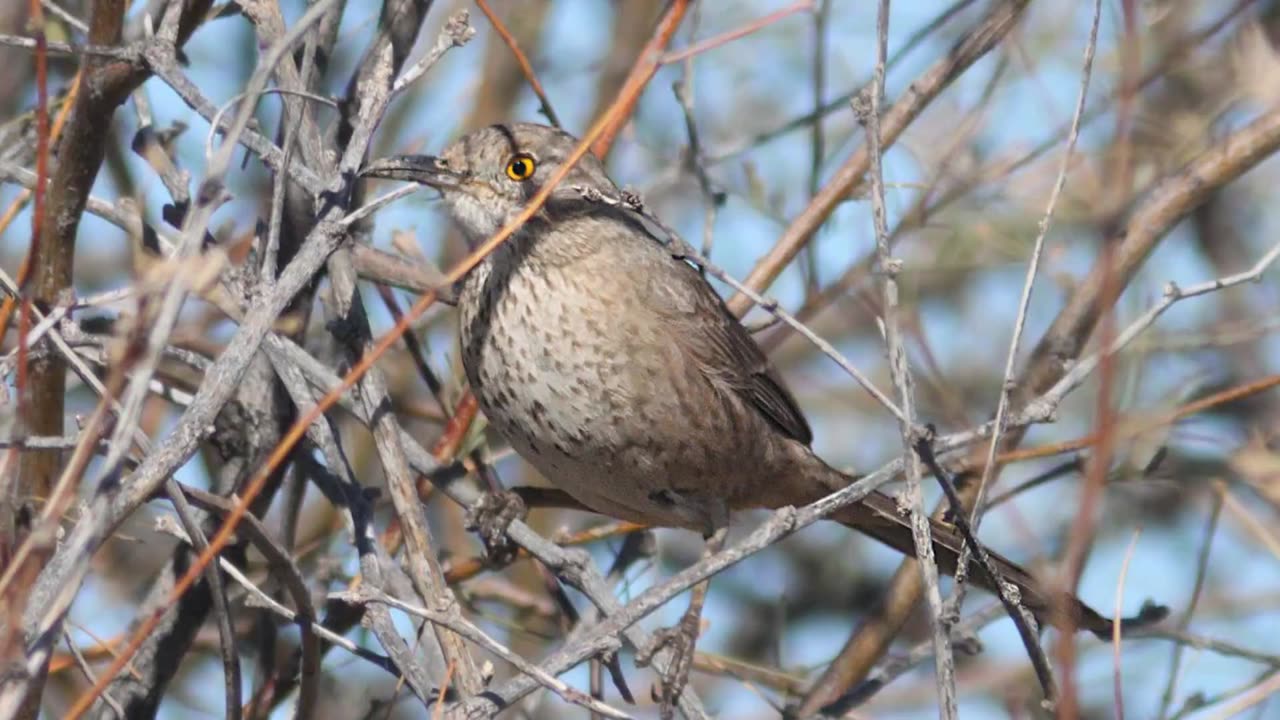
520 167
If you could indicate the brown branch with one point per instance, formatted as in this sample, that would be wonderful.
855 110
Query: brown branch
632 26
80 153
11 492
499 73
646 64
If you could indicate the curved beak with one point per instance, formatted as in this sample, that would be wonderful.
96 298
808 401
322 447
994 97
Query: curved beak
422 169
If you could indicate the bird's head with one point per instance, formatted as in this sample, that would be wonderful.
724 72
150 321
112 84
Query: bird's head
488 176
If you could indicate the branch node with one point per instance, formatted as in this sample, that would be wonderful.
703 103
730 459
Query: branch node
459 29
861 105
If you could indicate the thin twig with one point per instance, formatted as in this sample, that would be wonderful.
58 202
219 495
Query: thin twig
841 102
642 71
453 619
1202 568
521 60
457 32
1046 405
900 372
963 637
1024 302
1115 628
1022 619
89 675
127 53
727 37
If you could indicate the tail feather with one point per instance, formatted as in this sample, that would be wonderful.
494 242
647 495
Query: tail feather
878 516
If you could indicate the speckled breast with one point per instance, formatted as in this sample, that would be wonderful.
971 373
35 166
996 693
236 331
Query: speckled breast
534 353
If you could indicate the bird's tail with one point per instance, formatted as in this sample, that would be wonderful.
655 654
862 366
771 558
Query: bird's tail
879 516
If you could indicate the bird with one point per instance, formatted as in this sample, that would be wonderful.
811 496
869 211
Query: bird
613 367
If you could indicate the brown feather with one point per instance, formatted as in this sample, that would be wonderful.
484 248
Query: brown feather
726 353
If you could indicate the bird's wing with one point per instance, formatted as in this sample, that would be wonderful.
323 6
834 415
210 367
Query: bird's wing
709 335
748 373
704 330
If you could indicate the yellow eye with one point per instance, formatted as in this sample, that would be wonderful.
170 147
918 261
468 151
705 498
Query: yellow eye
520 167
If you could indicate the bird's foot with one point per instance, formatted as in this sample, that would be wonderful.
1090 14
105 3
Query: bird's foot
681 640
490 517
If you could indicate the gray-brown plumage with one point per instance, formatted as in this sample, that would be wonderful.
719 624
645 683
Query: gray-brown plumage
617 371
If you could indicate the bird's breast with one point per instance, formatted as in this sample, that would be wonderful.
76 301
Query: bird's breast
545 356
581 372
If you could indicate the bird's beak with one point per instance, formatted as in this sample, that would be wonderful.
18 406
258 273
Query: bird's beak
422 169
